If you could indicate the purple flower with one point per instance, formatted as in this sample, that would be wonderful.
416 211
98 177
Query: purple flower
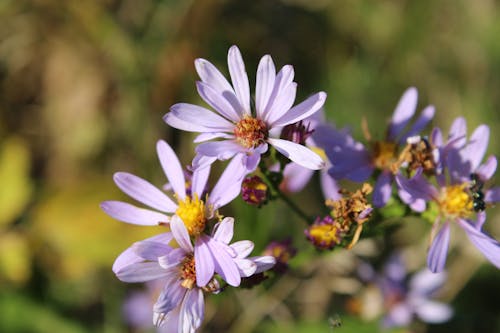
180 305
353 161
240 131
193 209
459 194
403 299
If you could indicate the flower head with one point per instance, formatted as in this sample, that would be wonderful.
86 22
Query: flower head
354 161
458 195
180 305
239 130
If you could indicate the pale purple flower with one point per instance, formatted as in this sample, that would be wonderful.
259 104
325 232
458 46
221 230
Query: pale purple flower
354 161
455 195
183 204
237 129
180 305
403 299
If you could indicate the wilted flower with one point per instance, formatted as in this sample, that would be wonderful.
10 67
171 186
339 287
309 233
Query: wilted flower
180 305
282 251
243 132
353 161
459 195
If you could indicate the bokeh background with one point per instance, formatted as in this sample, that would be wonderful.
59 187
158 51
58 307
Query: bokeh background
83 87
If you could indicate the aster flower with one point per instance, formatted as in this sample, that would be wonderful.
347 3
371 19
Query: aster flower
458 190
194 209
180 305
402 299
352 160
239 130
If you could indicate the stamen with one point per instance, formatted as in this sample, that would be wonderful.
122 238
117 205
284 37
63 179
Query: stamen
250 132
193 213
455 201
188 272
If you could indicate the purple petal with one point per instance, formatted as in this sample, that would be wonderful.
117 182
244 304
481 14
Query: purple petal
488 168
141 272
436 137
151 250
425 282
492 195
242 248
403 113
478 143
436 258
246 267
422 121
302 110
180 233
329 186
224 264
210 75
228 186
298 153
167 322
202 161
383 189
172 168
172 259
398 316
417 186
266 74
251 160
458 132
488 246
295 177
170 297
224 106
126 212
194 118
144 192
239 77
433 312
211 136
192 311
263 263
129 256
203 261
223 150
199 180
224 230
283 94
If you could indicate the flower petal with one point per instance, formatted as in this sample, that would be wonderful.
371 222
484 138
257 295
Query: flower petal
302 110
492 195
329 186
425 282
192 311
488 246
203 261
422 121
224 230
170 297
403 113
263 263
266 74
295 178
180 233
433 312
224 264
194 118
151 250
224 106
141 272
246 267
239 77
476 148
128 213
298 153
143 191
223 150
488 168
436 258
383 189
228 186
172 168
242 248
199 180
283 93
211 75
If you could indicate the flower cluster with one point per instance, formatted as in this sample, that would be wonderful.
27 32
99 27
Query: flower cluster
273 149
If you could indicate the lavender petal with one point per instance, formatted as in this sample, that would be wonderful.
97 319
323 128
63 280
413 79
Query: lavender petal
128 213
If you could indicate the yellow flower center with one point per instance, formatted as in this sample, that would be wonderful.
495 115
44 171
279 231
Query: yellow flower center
250 132
193 214
188 272
384 154
455 201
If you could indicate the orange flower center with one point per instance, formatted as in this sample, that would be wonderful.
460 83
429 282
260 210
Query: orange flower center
250 132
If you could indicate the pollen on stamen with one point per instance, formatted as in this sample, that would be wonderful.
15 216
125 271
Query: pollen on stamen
250 132
455 201
193 213
188 272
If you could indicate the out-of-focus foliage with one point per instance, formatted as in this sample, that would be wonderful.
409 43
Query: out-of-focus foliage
83 87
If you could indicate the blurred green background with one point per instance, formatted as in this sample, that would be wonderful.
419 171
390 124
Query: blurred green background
83 87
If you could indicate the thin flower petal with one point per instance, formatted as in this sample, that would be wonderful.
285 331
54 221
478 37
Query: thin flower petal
211 136
170 297
436 258
172 168
180 233
298 153
217 101
242 248
383 189
281 93
223 150
329 186
199 180
203 260
476 148
422 121
246 267
433 312
488 246
425 282
263 263
295 178
492 195
151 250
192 311
224 230
266 74
488 168
239 77
143 191
458 132
211 75
302 110
194 118
141 272
126 212
224 264
228 186
403 113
